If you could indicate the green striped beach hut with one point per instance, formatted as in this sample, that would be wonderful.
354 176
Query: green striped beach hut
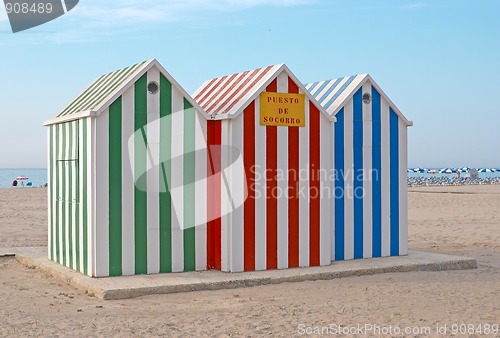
111 212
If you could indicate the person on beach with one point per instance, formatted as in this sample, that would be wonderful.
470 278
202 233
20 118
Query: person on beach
14 183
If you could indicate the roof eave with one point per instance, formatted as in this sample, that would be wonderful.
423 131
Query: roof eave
69 118
396 109
121 89
367 77
190 99
240 106
220 116
342 103
238 109
124 87
96 108
311 97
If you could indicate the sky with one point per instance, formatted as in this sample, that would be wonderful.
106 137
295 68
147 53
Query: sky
437 60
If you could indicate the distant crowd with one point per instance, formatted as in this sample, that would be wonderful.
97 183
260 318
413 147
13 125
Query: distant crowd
440 181
16 184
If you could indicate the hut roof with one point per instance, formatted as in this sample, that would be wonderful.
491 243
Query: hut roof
333 94
101 93
227 96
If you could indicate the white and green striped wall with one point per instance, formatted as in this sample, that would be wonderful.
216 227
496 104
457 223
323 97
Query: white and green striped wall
101 222
70 168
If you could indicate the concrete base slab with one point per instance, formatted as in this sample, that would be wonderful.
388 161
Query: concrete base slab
136 286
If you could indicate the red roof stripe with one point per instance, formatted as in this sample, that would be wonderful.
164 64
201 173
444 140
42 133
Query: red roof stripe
242 84
244 92
198 96
220 90
217 84
227 90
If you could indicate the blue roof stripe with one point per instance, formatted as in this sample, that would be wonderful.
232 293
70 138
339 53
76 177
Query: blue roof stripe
330 90
339 92
311 85
331 100
320 89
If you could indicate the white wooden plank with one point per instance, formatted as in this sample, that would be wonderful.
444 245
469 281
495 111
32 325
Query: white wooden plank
368 175
260 192
153 175
349 181
102 195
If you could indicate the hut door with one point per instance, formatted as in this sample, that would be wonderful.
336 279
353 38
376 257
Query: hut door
67 170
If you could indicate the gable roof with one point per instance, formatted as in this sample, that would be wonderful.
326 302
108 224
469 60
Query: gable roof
226 97
101 93
334 94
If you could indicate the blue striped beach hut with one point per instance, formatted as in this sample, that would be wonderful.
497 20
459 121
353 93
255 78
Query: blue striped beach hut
370 161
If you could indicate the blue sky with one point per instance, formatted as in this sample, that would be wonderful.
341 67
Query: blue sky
437 60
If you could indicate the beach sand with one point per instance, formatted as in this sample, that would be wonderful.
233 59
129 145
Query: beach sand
458 220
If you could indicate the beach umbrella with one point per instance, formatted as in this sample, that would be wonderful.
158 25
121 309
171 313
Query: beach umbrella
420 170
21 178
464 169
486 170
446 171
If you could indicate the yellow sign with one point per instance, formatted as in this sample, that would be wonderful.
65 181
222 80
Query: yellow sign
281 109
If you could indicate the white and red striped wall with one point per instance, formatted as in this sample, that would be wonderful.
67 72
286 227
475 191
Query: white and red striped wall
284 223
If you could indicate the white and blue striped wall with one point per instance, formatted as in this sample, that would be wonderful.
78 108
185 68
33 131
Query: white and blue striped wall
370 161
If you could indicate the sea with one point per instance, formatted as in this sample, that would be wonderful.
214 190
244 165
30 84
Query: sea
39 176
36 176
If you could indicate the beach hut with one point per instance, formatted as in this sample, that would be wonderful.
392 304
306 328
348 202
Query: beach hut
111 168
285 138
255 171
370 159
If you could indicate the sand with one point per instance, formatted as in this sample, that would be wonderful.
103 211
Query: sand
458 220
23 217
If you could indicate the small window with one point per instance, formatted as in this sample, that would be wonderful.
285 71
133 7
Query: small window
153 87
367 98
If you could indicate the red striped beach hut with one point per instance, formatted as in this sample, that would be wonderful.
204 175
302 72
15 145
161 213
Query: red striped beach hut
370 159
285 138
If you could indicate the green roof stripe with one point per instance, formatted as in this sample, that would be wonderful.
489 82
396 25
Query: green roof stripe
87 102
84 102
111 84
110 87
82 96
99 90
